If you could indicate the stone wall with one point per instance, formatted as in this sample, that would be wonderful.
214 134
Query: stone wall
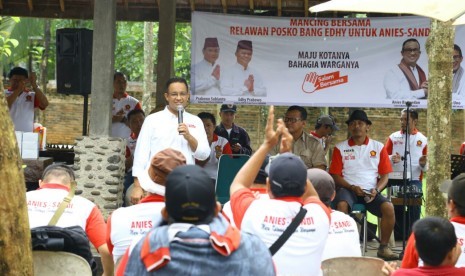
99 167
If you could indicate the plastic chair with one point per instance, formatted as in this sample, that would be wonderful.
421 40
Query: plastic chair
48 263
360 209
228 167
360 266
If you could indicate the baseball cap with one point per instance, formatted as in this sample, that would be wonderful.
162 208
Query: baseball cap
162 163
323 184
190 195
360 115
228 108
327 120
455 189
287 175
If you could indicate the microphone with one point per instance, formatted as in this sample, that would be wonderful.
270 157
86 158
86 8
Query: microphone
180 112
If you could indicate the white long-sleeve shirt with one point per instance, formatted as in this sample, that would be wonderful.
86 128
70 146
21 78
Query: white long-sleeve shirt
203 81
160 131
232 82
397 86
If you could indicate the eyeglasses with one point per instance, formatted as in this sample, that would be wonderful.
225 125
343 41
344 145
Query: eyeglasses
456 57
291 120
411 50
175 95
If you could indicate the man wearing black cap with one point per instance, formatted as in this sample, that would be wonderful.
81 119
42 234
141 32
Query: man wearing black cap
360 168
240 79
289 191
196 240
236 135
455 205
324 128
206 73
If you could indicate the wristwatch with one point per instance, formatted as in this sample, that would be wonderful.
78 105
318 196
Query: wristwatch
377 190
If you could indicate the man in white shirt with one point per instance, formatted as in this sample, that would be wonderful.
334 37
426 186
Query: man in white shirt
43 203
132 223
343 239
240 79
22 102
407 80
206 73
122 105
162 130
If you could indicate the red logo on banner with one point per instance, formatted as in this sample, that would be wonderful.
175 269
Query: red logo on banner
313 82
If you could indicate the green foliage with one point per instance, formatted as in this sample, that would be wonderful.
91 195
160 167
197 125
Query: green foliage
129 50
182 52
6 44
28 33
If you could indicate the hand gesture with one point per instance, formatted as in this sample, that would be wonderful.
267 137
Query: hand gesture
396 158
236 147
422 160
216 72
33 79
310 83
183 130
286 141
272 136
249 82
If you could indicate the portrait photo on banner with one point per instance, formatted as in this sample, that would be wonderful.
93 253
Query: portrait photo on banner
335 62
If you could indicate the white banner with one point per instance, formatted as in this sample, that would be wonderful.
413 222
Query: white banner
310 61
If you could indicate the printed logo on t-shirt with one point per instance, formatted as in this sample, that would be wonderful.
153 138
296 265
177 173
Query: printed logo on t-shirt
127 107
419 143
372 154
29 98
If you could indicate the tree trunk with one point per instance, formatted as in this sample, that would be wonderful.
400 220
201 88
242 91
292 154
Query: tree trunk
148 67
439 46
15 237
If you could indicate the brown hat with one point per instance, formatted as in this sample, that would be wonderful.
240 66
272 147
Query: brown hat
211 42
161 165
244 44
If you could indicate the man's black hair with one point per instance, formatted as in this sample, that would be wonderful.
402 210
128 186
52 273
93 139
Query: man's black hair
457 48
410 40
134 112
207 116
118 73
176 79
413 113
18 71
434 238
302 110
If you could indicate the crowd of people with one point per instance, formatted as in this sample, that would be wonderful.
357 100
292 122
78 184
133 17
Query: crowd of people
175 224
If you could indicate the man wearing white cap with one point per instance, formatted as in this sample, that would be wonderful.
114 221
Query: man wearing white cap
240 79
126 224
455 191
206 73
